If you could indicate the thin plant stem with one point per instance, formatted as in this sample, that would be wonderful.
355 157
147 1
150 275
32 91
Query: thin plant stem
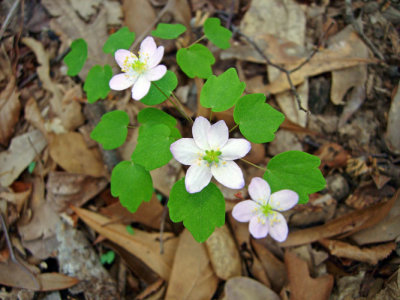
181 106
254 165
196 41
233 128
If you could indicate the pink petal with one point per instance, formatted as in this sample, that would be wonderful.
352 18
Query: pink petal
121 82
218 135
140 88
156 73
259 190
155 59
200 130
186 151
147 48
123 56
258 227
235 148
197 178
228 174
283 200
278 228
245 210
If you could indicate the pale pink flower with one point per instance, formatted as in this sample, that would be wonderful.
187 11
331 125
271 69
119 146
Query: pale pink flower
210 153
139 71
262 210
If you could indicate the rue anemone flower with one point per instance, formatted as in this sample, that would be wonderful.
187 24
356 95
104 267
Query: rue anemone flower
263 210
210 153
139 71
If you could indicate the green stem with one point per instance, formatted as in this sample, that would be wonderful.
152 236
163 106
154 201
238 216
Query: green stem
233 128
251 164
196 41
182 107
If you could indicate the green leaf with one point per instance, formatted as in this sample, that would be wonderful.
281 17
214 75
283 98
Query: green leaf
257 120
107 258
222 92
166 84
152 149
132 184
297 171
200 212
96 84
130 229
76 58
31 167
156 116
217 34
112 130
122 39
168 31
195 61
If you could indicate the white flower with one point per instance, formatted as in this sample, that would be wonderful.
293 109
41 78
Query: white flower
210 153
262 211
139 72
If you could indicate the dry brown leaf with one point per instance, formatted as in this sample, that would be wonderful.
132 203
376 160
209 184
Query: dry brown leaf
166 176
139 15
22 151
18 198
347 224
332 155
302 285
240 288
9 111
33 116
192 277
392 131
153 291
223 253
370 255
70 151
367 194
143 245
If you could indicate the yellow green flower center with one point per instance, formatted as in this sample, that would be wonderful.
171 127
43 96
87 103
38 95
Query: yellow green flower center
266 209
139 66
212 156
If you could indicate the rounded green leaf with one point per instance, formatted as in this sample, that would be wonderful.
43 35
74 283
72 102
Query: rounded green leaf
201 212
122 39
195 61
168 31
257 120
112 130
165 87
76 58
222 92
154 115
96 84
132 184
107 258
297 171
217 34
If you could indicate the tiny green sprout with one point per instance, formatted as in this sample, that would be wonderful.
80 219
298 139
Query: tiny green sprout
31 167
130 229
212 156
107 258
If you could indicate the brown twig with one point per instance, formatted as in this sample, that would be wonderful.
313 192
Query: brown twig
8 18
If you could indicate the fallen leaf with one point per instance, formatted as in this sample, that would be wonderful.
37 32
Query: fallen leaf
156 289
370 255
9 111
139 16
165 177
143 245
33 115
332 155
302 285
392 288
18 198
367 194
240 288
22 151
354 101
392 131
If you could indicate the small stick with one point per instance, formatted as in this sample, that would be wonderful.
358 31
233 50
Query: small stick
254 165
8 18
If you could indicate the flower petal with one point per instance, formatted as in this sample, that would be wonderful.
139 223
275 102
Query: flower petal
218 135
283 200
258 227
157 56
245 210
147 48
200 130
122 57
185 151
278 228
197 178
259 190
235 148
229 174
140 88
156 73
121 82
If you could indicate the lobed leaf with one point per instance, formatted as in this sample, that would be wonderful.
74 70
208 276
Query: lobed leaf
168 31
122 39
217 34
166 84
195 61
76 58
96 85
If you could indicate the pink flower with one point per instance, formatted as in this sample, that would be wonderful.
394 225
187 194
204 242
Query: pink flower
210 153
139 72
262 210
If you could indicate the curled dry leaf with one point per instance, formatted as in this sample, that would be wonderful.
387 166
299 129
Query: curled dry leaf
239 288
392 131
332 155
9 111
19 195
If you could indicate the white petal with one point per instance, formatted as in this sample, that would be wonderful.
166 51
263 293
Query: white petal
147 48
200 129
121 82
155 59
245 210
278 228
185 151
140 88
122 57
235 148
259 190
156 73
283 200
218 135
229 174
258 227
197 178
